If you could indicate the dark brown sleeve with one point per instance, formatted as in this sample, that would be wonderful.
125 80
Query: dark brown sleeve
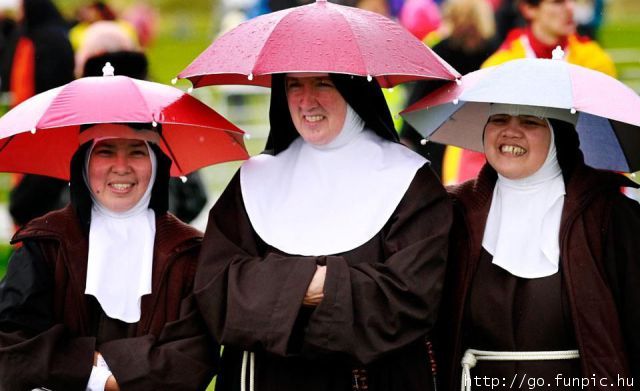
182 357
247 298
622 264
35 352
370 309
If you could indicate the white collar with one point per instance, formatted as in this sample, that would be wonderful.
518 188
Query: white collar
523 225
319 201
120 261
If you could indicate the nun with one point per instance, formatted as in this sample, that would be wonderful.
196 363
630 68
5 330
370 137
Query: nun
99 294
322 263
541 287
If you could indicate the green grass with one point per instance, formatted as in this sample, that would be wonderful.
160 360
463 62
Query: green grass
5 252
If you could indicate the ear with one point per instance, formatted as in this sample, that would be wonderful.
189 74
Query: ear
528 11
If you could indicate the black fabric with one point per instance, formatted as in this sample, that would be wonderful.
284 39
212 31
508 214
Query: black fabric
527 314
567 147
365 97
25 278
81 198
186 200
34 196
40 12
127 63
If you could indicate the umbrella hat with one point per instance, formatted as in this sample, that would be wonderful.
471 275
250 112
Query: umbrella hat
606 112
40 135
319 37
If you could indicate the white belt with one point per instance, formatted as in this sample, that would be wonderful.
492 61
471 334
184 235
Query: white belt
472 356
243 381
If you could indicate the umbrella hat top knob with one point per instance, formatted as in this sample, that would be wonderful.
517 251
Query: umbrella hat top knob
557 53
108 70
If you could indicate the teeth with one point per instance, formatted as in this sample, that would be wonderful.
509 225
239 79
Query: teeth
513 149
313 118
121 186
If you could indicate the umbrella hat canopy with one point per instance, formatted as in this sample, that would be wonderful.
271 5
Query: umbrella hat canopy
606 112
40 135
318 37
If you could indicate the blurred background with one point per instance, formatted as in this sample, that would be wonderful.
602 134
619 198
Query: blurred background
171 33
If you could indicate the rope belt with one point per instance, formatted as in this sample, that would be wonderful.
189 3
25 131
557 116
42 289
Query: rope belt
252 362
472 356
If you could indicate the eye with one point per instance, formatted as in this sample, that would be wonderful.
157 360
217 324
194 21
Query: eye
103 152
325 83
139 152
499 119
529 121
291 84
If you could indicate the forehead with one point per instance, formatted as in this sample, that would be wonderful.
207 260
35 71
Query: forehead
518 116
120 143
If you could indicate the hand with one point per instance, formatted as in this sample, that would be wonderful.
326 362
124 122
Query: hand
315 291
95 358
111 384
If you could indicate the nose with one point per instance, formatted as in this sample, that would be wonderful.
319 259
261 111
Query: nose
121 164
511 129
308 98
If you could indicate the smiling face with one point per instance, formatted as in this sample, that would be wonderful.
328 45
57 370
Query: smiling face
516 146
317 108
119 172
551 20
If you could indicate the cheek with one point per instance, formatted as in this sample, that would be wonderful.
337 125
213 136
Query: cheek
96 176
541 147
144 173
488 140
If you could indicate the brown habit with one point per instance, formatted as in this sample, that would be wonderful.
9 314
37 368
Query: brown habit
380 299
49 329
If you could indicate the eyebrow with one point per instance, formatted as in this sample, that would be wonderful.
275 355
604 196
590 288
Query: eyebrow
111 145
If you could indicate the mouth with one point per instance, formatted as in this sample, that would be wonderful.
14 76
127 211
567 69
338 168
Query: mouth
313 118
121 188
513 150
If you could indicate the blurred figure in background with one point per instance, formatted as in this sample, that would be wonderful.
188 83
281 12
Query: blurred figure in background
8 25
589 15
144 18
94 12
550 23
420 17
39 57
466 40
106 38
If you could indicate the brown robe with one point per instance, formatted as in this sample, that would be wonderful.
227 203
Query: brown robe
380 299
49 329
599 269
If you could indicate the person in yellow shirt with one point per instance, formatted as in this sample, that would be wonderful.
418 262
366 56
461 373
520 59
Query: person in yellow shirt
550 23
